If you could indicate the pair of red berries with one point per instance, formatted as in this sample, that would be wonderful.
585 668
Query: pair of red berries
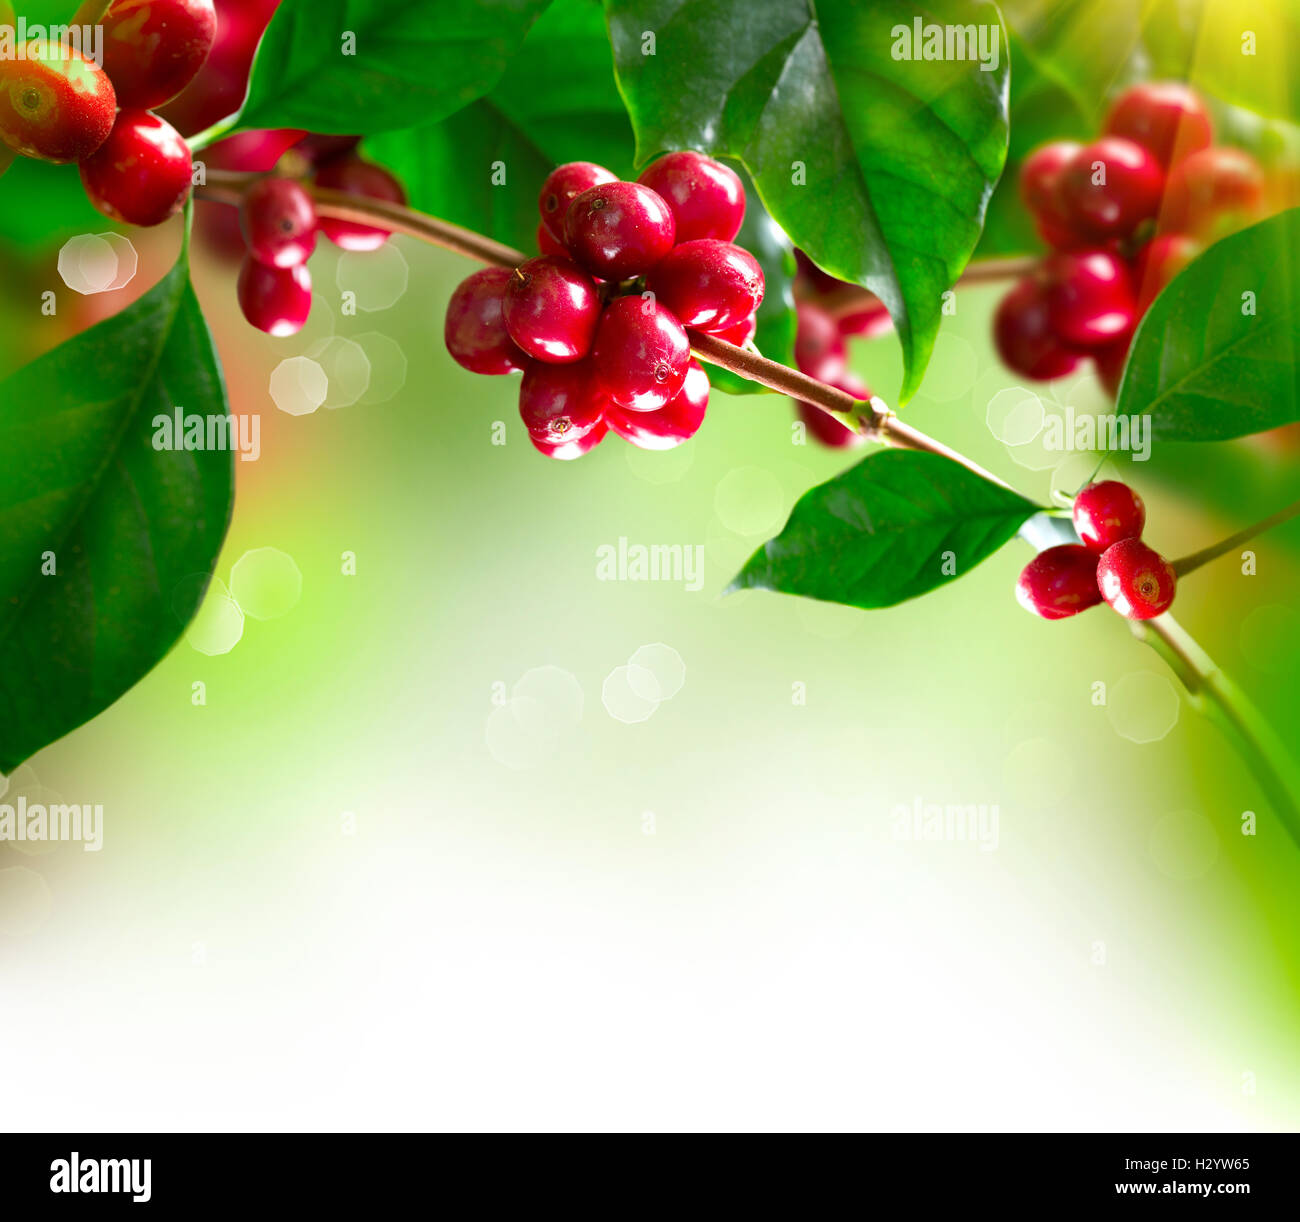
598 322
1112 563
56 105
1098 206
821 353
279 224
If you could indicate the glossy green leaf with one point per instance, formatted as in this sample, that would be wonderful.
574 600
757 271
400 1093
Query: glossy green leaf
898 524
879 167
105 541
1216 355
484 166
363 66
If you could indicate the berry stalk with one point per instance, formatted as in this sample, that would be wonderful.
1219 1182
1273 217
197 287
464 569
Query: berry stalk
1189 564
91 12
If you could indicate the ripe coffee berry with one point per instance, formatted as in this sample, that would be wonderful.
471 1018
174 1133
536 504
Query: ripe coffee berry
566 451
1110 187
869 322
562 186
707 198
677 421
547 244
275 300
641 354
278 220
1158 262
618 229
142 173
1024 336
1040 176
552 308
818 347
739 333
54 104
1059 582
1090 297
1136 580
357 177
1167 118
475 328
154 48
1210 186
560 403
709 285
1106 513
1110 360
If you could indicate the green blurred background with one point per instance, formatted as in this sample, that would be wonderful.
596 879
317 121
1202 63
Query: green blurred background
324 900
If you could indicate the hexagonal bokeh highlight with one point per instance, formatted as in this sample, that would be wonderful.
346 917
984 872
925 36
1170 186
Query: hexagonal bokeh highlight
219 625
98 263
1143 706
299 386
377 278
656 672
347 369
621 694
554 690
266 583
388 366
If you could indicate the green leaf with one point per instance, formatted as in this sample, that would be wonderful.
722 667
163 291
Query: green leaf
763 238
879 168
536 118
131 532
361 66
898 524
1216 354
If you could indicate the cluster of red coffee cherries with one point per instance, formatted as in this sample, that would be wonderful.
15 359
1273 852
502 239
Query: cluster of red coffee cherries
1123 216
598 323
1111 564
56 105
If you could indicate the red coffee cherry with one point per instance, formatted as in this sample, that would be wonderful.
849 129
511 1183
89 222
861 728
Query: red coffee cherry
475 328
1090 297
1211 188
278 220
566 451
1110 187
818 347
142 173
547 244
552 308
739 333
707 198
222 81
1106 512
357 177
869 322
1167 118
562 186
1024 337
818 281
1040 176
826 428
618 229
275 300
154 48
641 354
1059 582
677 421
560 403
709 285
1158 262
1136 580
1109 361
55 105
319 150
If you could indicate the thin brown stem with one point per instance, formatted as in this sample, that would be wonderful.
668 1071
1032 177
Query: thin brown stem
91 12
1189 564
850 298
